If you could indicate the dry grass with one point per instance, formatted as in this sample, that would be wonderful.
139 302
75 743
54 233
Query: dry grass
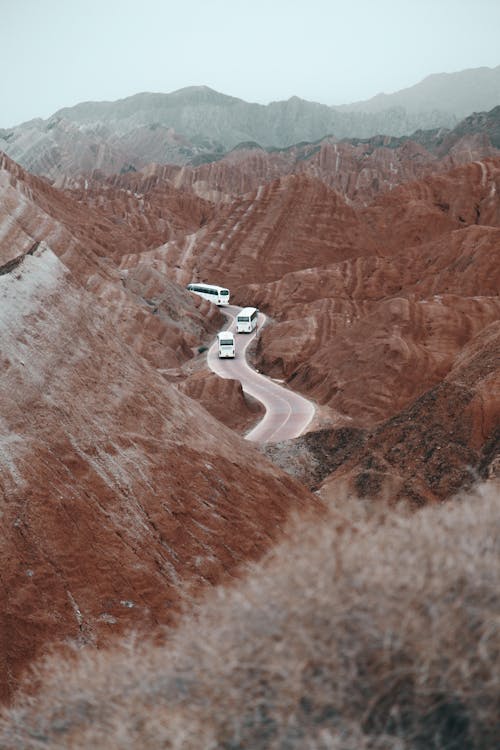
383 637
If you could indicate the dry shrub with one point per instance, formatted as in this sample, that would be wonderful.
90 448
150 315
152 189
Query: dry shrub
383 636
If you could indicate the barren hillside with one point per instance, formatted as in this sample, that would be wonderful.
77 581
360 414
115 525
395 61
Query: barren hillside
121 497
370 305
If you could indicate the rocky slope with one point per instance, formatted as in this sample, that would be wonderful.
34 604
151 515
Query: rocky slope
371 305
87 238
368 334
360 170
121 498
445 440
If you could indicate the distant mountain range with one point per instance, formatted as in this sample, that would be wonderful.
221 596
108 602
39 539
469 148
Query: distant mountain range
197 124
456 94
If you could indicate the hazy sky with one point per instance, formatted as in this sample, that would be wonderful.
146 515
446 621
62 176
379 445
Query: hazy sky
56 53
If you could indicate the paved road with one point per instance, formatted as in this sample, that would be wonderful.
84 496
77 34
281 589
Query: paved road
287 414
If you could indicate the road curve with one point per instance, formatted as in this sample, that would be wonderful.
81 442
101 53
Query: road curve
287 414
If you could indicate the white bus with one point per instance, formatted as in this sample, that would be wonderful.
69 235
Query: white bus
217 294
246 320
225 340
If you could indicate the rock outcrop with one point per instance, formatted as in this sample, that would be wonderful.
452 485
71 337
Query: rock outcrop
443 442
121 498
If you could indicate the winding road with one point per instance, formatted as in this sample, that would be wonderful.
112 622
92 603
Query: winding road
287 414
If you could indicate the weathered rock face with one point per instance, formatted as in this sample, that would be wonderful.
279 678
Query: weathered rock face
239 172
441 443
58 148
479 122
289 224
368 335
370 305
368 368
151 212
359 170
120 497
423 210
224 399
402 347
86 238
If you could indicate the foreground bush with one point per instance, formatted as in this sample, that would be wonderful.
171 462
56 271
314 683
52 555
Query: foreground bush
384 635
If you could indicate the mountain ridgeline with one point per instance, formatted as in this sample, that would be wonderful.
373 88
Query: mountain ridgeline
197 124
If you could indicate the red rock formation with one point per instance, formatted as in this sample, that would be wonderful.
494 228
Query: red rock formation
224 399
420 211
120 494
368 335
289 224
403 348
442 443
86 239
360 172
151 212
121 497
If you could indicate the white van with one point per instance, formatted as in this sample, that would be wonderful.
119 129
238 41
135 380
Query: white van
225 340
246 320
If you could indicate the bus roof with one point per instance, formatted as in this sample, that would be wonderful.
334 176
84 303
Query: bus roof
225 334
248 311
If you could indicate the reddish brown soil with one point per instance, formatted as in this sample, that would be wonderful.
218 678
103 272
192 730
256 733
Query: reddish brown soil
224 399
122 498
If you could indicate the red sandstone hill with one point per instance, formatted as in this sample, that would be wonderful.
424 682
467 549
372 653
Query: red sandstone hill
378 338
150 212
359 170
368 334
384 307
370 305
289 224
442 442
86 239
121 497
